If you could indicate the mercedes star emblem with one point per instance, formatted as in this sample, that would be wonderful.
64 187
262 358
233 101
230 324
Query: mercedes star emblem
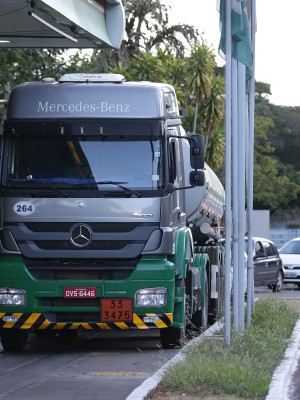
81 235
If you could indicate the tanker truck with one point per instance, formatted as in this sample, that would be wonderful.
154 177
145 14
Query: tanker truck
110 217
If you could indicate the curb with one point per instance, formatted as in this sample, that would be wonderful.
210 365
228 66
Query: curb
281 383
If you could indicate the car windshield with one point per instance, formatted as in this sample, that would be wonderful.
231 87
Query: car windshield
68 161
291 248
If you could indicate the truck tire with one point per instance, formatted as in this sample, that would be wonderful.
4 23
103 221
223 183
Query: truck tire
200 318
13 339
171 338
216 306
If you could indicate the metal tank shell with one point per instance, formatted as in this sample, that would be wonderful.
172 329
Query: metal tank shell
204 204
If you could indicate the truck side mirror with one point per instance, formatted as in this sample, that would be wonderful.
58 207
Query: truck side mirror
197 151
197 178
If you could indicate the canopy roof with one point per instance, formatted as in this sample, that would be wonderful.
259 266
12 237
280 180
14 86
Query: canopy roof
61 24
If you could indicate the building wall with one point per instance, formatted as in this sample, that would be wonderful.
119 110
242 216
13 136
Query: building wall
261 223
284 227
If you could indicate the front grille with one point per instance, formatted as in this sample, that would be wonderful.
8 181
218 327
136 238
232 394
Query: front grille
96 240
69 317
62 302
96 226
56 269
94 245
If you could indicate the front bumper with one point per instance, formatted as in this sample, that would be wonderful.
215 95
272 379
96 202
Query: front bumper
40 322
291 276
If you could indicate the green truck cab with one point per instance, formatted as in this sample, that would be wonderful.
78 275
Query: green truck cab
109 217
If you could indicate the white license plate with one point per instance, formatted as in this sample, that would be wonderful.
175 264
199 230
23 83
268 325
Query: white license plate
291 274
80 292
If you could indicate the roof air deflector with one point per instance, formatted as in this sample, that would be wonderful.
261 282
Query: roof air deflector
115 78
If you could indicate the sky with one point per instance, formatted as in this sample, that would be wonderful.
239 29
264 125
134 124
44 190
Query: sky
277 40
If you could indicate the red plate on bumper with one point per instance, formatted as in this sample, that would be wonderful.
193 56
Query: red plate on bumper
80 292
116 310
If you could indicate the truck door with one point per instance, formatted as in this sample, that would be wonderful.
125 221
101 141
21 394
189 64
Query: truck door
176 178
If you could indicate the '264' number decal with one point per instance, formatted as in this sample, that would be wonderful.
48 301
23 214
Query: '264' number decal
24 208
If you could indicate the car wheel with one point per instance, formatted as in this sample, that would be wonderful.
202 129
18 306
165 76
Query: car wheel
279 284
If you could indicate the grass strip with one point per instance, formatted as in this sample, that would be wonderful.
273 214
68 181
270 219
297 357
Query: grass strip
245 368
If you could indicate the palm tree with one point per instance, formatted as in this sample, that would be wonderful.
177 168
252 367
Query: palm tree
147 26
214 106
146 67
119 68
175 70
200 70
215 149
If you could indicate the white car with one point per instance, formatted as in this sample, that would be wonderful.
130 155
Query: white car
290 255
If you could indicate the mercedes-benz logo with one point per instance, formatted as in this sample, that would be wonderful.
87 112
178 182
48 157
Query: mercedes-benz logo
81 235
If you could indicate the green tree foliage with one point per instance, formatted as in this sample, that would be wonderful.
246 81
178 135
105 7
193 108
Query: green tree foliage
262 90
200 70
272 188
145 67
215 150
283 134
22 65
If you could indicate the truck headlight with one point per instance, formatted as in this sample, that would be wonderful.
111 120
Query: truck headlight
12 297
151 297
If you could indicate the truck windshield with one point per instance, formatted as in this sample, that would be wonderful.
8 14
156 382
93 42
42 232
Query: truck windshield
71 161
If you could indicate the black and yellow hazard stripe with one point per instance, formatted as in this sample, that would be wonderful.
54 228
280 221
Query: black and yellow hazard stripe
39 321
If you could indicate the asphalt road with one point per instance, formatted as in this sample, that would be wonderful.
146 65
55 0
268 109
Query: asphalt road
289 291
95 366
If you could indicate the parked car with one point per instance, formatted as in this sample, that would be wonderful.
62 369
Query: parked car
267 264
290 255
231 269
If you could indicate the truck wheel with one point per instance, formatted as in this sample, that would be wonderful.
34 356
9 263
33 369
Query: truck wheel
216 306
200 317
171 337
13 339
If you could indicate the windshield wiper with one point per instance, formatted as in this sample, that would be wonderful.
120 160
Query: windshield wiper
119 184
78 183
55 189
46 184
